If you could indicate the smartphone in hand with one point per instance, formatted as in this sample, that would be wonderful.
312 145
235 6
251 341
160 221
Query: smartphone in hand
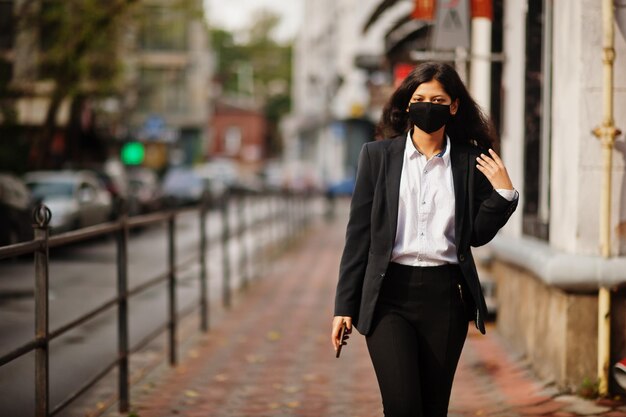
342 334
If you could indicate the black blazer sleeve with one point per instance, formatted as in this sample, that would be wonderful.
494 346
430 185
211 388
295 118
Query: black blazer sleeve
493 210
356 249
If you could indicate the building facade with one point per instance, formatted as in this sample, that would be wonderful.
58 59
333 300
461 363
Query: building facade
547 261
239 132
332 116
169 69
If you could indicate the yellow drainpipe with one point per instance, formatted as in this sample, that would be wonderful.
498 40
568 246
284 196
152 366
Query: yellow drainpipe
607 133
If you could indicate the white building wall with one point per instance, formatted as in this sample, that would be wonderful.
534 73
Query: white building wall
324 55
199 73
326 48
315 59
577 163
513 104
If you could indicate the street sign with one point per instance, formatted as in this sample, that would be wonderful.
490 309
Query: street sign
153 127
452 25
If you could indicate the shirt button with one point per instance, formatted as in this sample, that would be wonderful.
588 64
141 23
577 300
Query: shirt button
423 202
461 258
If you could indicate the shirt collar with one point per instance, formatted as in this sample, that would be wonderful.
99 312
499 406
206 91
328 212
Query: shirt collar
411 151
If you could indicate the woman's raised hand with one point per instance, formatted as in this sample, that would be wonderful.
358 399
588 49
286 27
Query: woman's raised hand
494 170
336 331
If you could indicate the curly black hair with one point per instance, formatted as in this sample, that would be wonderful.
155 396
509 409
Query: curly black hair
468 125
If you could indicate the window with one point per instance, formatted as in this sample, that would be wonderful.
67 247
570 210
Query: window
7 22
6 74
497 48
232 140
162 90
50 24
162 29
537 119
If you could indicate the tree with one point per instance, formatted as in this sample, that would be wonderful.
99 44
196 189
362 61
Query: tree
252 63
78 53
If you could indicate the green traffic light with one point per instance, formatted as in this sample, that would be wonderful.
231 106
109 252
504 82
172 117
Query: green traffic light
133 153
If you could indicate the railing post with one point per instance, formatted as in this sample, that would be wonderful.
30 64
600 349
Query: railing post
262 233
284 218
278 216
171 233
289 217
253 227
41 219
225 254
303 210
122 311
270 204
296 213
204 288
243 229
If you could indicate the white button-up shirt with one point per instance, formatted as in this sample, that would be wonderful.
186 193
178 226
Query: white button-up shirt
425 229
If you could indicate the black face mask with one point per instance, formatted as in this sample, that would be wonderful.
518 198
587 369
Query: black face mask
428 116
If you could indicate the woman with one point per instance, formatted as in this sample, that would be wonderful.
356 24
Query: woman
407 279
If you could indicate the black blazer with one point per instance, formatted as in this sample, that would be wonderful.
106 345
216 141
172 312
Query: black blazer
480 212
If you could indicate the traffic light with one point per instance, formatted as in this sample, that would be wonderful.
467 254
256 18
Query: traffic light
133 153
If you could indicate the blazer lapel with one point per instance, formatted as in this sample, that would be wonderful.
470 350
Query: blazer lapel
460 161
394 158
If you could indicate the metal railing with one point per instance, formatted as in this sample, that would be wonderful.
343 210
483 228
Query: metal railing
287 210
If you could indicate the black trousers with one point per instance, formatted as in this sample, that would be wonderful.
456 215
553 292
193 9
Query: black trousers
418 331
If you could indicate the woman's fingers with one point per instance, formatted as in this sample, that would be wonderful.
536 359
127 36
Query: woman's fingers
485 168
335 334
494 170
348 321
487 162
496 158
336 330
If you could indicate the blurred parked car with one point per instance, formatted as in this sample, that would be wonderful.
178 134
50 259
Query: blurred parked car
144 194
182 186
76 198
343 187
248 184
220 176
274 176
114 187
16 206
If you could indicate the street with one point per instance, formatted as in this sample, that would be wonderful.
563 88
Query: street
82 277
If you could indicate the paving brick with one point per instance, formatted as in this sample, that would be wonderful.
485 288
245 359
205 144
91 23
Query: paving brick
545 408
270 355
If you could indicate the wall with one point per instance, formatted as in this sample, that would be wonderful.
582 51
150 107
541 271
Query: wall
252 126
513 104
577 164
554 329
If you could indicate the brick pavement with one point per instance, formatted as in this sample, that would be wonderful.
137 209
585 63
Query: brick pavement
270 356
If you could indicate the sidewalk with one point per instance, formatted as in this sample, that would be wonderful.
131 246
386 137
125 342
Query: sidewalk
271 356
